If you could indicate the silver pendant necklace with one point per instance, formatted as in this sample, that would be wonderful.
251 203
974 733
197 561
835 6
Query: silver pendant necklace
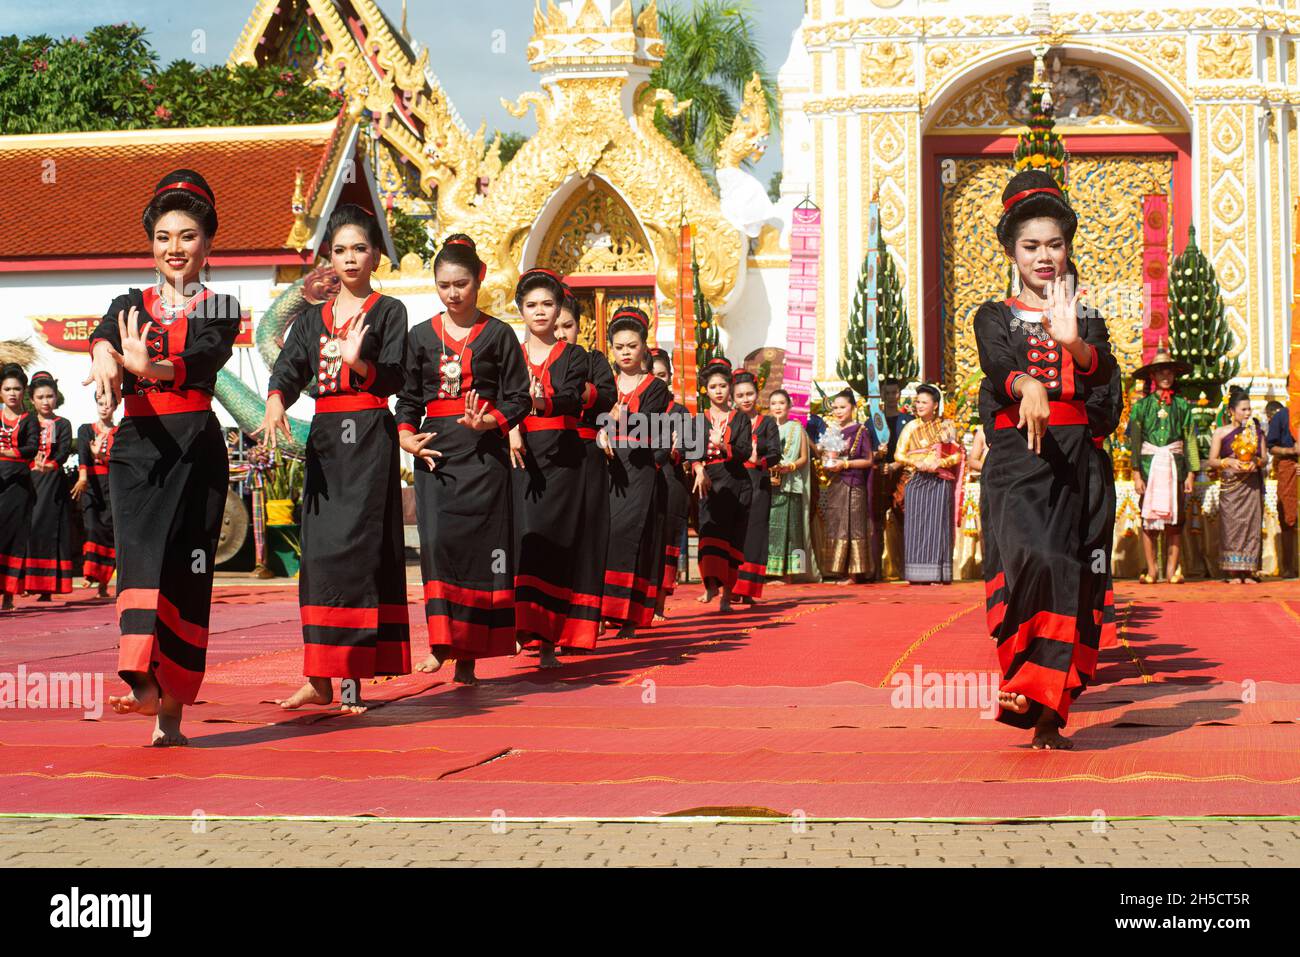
451 366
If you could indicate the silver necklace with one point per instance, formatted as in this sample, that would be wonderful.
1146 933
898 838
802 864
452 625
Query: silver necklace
451 366
173 311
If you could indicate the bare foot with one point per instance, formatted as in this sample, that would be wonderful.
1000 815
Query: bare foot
708 596
465 673
44 596
89 583
849 581
1050 739
660 618
8 603
727 599
350 697
548 658
429 665
316 691
1234 581
167 727
626 633
1013 702
142 699
1250 581
776 583
103 590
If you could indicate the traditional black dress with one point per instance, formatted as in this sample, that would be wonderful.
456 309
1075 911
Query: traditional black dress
352 584
19 441
168 487
753 567
600 393
677 504
464 502
1048 519
99 553
634 560
547 498
724 512
48 568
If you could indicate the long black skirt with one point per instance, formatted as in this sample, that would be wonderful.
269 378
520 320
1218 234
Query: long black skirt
677 509
352 584
17 496
467 542
634 559
48 568
168 479
1048 524
548 499
724 518
99 551
592 543
753 566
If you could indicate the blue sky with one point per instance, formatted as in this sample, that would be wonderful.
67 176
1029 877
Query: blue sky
460 38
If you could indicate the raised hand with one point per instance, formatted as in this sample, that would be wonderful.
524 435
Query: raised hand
477 416
106 369
350 345
135 343
1061 315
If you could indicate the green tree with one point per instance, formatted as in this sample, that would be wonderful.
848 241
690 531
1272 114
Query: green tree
1198 331
712 52
852 367
511 143
706 332
897 358
111 81
411 235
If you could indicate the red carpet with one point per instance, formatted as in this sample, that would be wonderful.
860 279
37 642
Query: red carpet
785 708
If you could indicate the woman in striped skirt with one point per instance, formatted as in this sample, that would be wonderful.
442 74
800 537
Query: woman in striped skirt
94 447
928 449
766 453
677 504
549 458
591 502
723 485
634 560
48 568
20 438
466 387
162 349
347 354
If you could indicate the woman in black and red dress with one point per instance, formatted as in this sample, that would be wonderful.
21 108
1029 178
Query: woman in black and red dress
94 446
161 350
1047 528
466 387
765 453
677 503
20 438
592 504
347 354
48 568
546 447
634 560
723 485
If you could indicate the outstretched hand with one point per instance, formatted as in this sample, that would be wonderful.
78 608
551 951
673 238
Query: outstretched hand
1061 313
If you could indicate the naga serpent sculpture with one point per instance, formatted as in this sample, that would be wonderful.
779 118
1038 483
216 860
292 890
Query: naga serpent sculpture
247 406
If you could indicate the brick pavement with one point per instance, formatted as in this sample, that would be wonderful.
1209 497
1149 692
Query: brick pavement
1149 843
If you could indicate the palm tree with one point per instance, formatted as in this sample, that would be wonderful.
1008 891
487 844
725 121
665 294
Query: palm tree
712 52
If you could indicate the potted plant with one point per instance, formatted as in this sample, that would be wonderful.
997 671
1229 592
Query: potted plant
283 490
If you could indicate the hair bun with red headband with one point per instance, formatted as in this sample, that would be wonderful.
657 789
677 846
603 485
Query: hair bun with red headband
460 250
186 191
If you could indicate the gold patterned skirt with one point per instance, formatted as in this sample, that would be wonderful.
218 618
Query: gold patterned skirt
846 517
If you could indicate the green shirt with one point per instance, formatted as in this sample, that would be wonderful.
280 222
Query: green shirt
1146 424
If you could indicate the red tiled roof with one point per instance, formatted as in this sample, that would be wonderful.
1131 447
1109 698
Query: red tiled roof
89 202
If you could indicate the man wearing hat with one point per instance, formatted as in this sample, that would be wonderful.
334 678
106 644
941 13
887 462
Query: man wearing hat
1162 437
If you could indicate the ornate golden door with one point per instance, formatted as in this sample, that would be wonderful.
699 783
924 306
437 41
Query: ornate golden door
598 244
1106 192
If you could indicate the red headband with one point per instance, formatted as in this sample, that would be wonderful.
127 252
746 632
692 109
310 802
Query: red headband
482 266
545 272
1006 207
628 314
191 187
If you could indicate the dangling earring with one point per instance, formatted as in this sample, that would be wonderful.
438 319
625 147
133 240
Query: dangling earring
157 277
207 272
378 282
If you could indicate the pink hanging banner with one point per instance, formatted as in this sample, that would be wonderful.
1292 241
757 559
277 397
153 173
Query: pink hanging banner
801 322
1155 272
